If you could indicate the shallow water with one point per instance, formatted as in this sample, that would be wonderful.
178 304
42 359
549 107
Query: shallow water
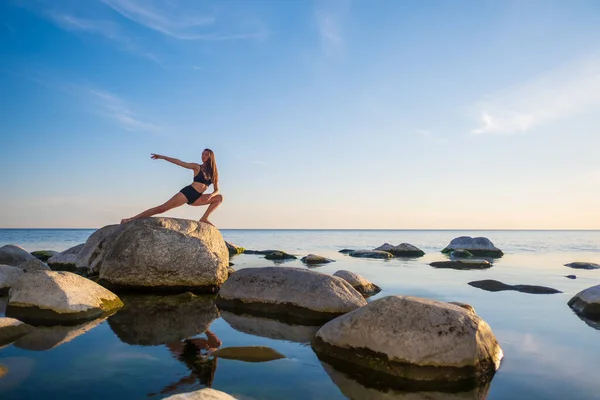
549 352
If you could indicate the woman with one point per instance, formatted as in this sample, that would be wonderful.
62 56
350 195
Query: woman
204 175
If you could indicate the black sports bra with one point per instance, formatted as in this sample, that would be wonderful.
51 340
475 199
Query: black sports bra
202 177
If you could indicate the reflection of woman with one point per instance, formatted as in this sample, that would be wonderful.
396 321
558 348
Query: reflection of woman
196 355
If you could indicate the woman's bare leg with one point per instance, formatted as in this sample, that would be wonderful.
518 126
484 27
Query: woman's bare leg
178 200
213 203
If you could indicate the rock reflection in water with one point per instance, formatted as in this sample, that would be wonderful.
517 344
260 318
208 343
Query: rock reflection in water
361 387
154 320
3 304
48 337
269 328
590 322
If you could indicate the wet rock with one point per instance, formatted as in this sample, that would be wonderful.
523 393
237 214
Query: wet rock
8 276
496 286
270 328
359 283
462 264
154 320
234 249
248 353
371 254
478 246
414 339
402 250
164 255
587 303
14 255
583 265
460 254
313 259
363 384
299 294
279 255
50 297
12 329
571 276
66 260
44 255
49 337
466 306
202 394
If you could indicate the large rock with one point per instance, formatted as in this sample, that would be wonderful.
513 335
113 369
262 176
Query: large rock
50 297
49 337
34 265
155 320
8 276
12 329
371 254
91 254
492 285
165 254
14 255
66 260
202 394
359 283
402 250
587 303
479 246
270 328
415 339
299 294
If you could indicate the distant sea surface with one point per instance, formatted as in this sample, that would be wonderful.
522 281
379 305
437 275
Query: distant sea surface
549 351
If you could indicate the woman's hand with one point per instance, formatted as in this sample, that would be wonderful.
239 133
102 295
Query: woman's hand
156 156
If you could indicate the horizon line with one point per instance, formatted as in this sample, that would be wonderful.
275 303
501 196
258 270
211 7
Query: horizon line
355 229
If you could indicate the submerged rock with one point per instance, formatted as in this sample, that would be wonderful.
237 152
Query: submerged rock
346 251
478 246
587 303
49 337
270 328
402 250
202 394
163 254
583 265
414 339
460 254
359 283
462 264
234 249
50 297
313 259
278 255
12 329
496 286
571 276
371 254
296 293
44 255
154 320
248 353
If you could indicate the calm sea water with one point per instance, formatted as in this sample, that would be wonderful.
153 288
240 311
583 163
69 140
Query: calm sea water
550 353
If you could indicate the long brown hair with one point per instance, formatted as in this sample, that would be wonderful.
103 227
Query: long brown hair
213 165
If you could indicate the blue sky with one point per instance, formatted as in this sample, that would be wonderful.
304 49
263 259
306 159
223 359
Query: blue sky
325 114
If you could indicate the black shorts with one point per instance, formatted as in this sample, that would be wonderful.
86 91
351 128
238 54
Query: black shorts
190 194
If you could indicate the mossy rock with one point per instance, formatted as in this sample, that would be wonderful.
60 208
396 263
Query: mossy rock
279 255
44 255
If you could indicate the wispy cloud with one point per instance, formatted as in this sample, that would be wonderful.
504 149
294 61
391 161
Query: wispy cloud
177 20
108 29
559 94
330 32
115 108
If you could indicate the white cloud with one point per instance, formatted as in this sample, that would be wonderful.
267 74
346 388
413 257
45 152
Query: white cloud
108 29
117 109
175 20
330 31
559 94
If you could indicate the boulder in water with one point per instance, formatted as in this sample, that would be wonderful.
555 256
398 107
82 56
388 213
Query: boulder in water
402 250
478 246
587 303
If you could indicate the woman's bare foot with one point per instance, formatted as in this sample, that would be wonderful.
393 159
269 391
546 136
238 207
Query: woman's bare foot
125 220
206 221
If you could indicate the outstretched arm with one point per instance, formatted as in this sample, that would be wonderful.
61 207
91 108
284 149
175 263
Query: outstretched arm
175 161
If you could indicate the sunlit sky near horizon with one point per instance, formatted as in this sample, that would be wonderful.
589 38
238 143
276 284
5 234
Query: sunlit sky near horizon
322 114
